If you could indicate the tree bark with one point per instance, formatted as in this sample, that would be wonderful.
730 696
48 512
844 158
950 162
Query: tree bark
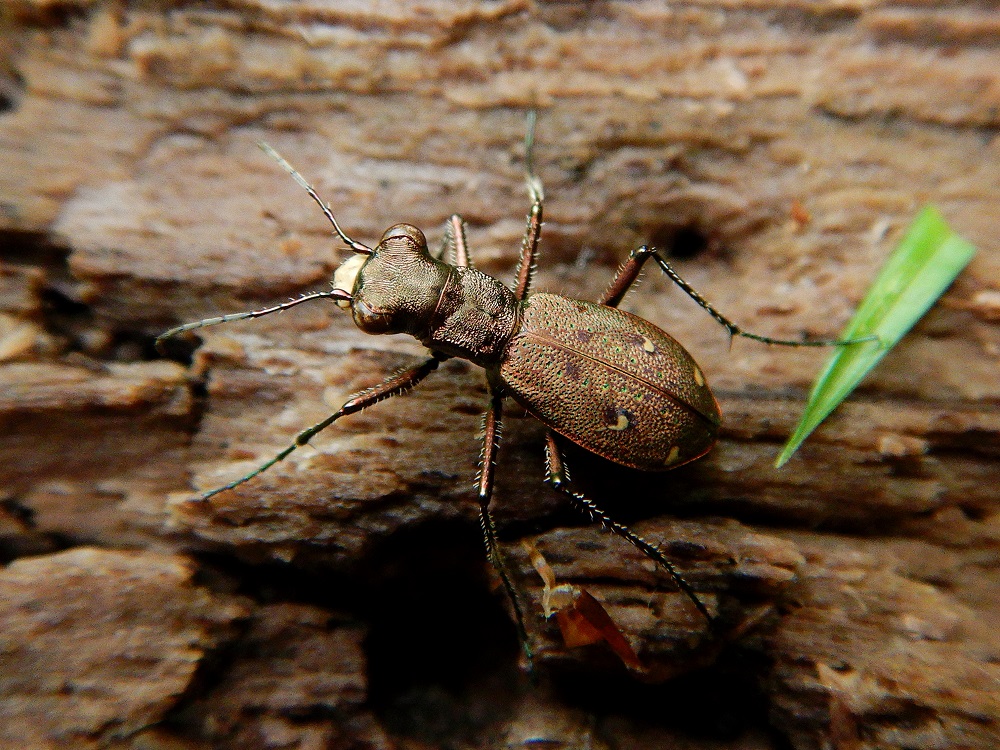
776 150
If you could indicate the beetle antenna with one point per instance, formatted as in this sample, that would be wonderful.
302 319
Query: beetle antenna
338 294
353 244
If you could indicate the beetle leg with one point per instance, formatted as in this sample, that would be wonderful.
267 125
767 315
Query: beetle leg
532 233
457 227
492 421
558 478
629 272
454 248
395 385
626 276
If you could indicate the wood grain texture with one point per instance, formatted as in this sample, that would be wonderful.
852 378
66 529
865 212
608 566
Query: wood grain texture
776 149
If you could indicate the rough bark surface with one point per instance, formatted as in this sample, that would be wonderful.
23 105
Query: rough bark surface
776 149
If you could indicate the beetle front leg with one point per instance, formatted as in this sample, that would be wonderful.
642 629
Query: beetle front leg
491 443
454 248
533 232
393 386
557 477
629 272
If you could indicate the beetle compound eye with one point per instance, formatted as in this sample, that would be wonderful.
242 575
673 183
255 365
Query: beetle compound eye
405 231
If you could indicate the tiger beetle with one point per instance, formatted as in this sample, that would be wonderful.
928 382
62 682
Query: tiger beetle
611 382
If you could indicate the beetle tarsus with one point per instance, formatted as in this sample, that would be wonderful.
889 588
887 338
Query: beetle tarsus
495 558
628 274
735 330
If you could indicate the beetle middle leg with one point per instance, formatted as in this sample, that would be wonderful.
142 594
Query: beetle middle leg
492 422
629 272
395 385
557 477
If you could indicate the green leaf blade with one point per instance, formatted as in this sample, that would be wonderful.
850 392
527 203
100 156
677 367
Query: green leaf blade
918 272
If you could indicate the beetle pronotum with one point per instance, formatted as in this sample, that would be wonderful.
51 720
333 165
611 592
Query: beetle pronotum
602 378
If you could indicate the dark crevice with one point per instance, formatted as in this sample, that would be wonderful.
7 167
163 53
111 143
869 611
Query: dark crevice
439 644
680 242
33 544
974 513
48 15
969 442
60 306
720 703
211 671
894 119
435 630
688 242
813 18
22 514
12 86
68 318
177 349
74 323
22 248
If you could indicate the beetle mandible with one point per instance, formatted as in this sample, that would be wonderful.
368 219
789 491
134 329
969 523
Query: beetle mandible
607 380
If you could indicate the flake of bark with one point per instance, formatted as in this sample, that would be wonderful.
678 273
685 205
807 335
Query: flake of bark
90 449
294 667
97 644
874 654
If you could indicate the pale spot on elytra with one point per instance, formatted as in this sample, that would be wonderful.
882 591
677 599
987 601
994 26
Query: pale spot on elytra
621 424
698 377
647 346
674 454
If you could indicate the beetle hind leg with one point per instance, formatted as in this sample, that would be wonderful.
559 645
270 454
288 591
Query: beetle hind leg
629 273
557 476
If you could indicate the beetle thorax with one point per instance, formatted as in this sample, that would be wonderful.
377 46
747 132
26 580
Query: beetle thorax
475 317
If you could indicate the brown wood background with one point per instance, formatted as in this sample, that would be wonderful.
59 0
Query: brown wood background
777 149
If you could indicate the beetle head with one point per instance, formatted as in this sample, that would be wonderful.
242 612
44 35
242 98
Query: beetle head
397 287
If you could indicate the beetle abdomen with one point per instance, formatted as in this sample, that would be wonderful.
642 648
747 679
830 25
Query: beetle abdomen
611 382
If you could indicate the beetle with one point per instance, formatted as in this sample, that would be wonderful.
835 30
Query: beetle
609 381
